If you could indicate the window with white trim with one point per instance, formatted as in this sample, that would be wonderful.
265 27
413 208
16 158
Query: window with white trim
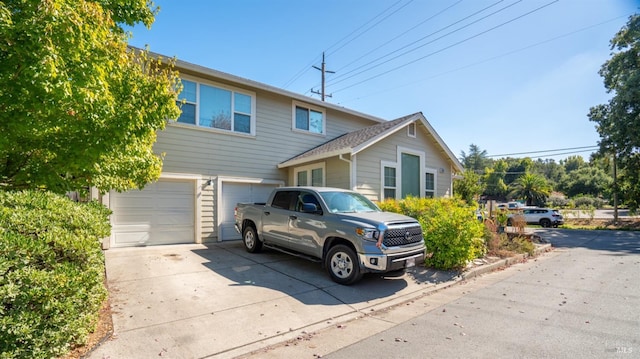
308 118
312 175
411 130
217 107
389 184
430 184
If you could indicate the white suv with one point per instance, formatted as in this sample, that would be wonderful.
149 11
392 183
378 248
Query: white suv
545 217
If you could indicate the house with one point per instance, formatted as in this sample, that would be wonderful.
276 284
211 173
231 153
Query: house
237 139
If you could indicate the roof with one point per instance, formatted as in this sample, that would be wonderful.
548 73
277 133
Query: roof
353 142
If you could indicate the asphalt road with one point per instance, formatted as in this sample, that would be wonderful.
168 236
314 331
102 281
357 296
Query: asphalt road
580 301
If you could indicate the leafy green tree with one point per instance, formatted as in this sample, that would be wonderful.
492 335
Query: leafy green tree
469 187
78 108
533 188
551 170
517 167
618 121
476 160
588 180
493 178
573 163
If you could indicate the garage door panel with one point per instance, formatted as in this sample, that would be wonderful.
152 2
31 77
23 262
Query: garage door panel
234 192
130 219
161 213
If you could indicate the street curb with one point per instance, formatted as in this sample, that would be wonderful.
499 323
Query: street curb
506 262
259 348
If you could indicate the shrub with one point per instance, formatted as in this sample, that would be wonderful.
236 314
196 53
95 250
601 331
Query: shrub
452 234
555 201
51 272
502 245
583 202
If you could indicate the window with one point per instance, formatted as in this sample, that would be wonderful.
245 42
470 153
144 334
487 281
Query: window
389 182
312 175
411 130
216 107
308 119
430 185
316 177
284 199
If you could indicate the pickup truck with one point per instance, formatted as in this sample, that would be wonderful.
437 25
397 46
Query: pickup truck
342 229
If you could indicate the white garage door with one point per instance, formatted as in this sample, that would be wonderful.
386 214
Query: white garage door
232 193
162 213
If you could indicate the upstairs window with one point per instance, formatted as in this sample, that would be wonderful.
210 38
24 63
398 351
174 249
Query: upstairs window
306 118
411 130
216 107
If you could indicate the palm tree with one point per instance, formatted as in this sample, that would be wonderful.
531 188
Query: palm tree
534 188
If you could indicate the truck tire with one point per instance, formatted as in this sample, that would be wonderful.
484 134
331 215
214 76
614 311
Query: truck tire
342 264
250 239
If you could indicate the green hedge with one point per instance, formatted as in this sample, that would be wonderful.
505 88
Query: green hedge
452 233
51 272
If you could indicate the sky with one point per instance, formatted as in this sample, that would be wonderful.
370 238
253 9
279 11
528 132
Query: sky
513 77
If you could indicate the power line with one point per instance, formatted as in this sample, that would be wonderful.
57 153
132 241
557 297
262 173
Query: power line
448 47
306 68
338 79
370 27
494 57
584 148
360 57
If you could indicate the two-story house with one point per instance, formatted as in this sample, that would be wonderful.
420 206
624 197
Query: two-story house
237 139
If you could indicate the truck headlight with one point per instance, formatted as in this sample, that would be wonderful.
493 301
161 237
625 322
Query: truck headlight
368 233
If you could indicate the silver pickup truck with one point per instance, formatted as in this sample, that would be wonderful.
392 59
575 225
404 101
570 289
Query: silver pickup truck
342 229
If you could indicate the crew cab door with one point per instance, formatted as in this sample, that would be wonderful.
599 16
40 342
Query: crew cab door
276 217
306 229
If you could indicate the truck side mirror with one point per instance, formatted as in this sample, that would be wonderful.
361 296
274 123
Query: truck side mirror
311 208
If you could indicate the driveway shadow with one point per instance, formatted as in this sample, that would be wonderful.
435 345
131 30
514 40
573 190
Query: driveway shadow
307 281
613 242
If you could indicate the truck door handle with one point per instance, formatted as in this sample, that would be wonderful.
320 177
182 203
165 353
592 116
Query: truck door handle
267 213
293 217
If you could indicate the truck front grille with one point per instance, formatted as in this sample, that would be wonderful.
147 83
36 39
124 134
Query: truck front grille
401 236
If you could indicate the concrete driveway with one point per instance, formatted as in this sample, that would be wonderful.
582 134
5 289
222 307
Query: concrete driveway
196 301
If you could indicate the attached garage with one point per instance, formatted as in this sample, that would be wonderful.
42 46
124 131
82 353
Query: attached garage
161 213
232 192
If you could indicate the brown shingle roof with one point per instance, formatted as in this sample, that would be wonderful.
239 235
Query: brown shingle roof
351 140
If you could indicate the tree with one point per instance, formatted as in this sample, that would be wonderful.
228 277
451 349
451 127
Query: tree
533 188
588 180
573 163
468 188
517 167
476 160
495 188
78 108
618 121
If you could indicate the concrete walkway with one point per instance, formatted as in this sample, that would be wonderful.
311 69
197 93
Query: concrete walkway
218 301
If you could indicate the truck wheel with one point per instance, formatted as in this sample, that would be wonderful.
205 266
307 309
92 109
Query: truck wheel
250 239
342 264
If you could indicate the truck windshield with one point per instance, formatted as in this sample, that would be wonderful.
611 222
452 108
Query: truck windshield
348 202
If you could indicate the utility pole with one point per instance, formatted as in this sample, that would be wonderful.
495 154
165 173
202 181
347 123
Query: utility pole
615 188
324 71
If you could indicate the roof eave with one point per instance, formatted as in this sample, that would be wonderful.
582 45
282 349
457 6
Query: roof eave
321 156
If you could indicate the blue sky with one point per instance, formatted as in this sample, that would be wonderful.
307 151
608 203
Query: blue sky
510 76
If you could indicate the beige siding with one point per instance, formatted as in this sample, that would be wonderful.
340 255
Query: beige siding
210 153
369 169
208 219
338 173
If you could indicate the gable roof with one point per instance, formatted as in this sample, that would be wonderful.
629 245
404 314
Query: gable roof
353 142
